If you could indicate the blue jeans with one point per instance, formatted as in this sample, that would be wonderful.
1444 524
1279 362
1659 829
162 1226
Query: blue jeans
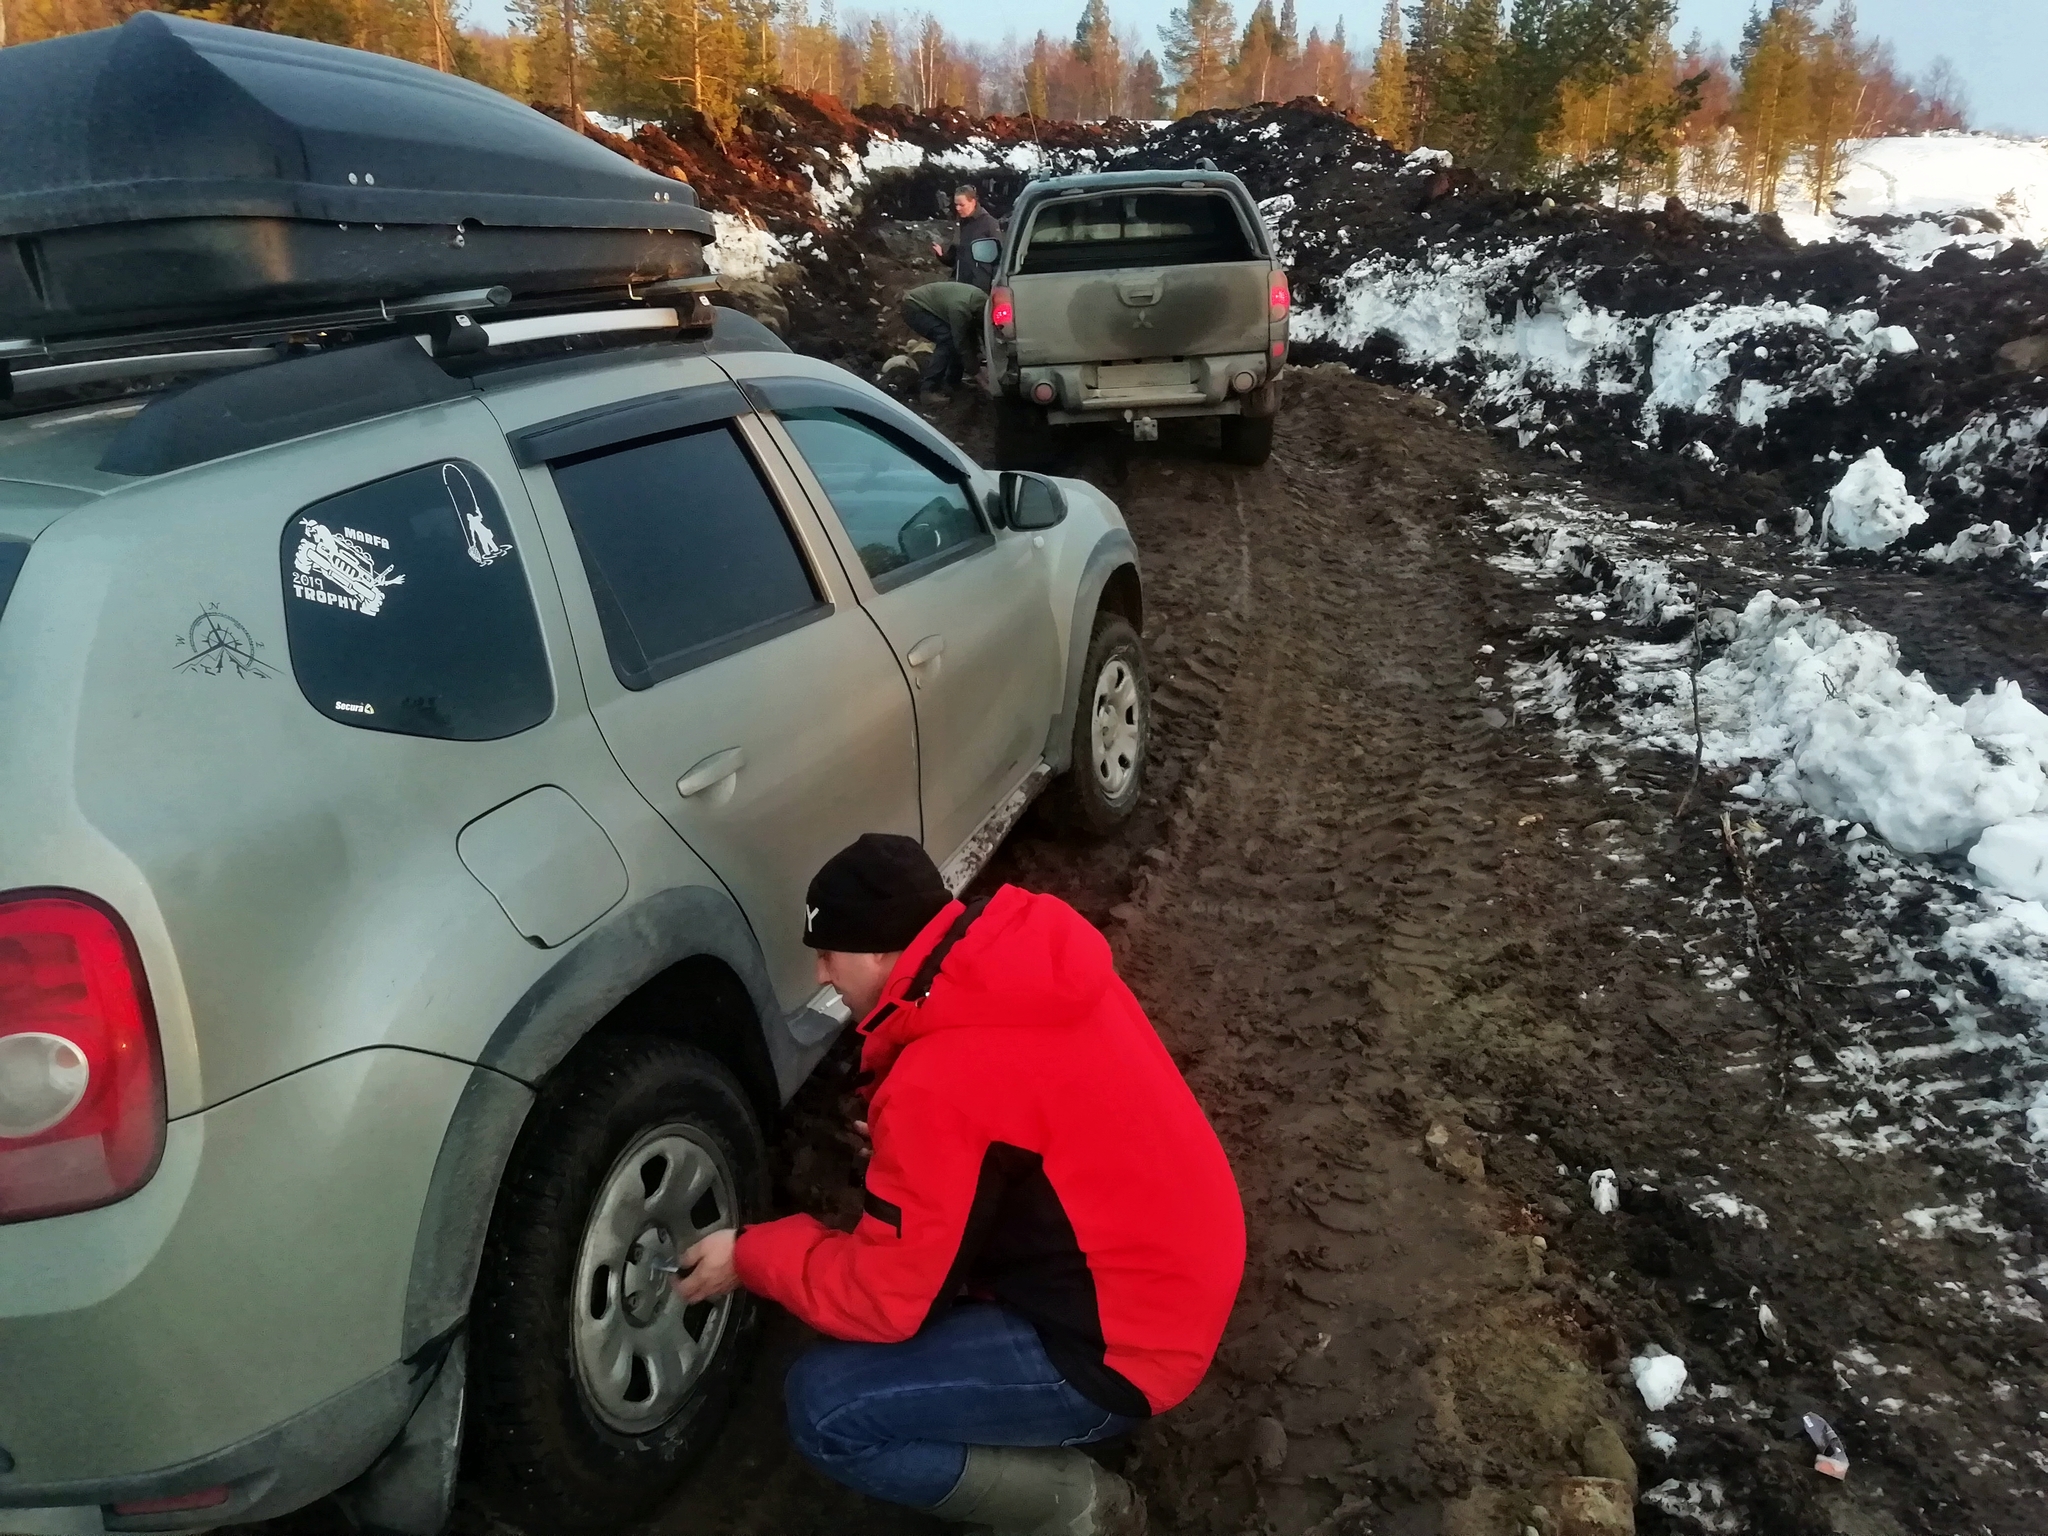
894 1420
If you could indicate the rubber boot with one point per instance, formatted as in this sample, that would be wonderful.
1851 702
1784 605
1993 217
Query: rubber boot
1026 1491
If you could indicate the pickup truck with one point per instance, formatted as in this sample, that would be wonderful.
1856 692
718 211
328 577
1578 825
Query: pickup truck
1131 296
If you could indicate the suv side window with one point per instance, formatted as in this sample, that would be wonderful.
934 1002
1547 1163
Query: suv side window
906 510
688 555
407 610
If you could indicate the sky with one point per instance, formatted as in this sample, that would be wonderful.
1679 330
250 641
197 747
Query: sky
1999 46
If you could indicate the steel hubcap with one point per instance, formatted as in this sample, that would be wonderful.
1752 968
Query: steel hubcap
638 1349
1117 726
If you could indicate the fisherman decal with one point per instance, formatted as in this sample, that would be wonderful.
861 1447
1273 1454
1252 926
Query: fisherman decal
482 543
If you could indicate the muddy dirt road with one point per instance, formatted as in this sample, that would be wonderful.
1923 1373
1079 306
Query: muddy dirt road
1429 975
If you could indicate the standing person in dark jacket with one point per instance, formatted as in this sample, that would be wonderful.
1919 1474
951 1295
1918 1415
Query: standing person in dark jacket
948 315
975 224
1050 1240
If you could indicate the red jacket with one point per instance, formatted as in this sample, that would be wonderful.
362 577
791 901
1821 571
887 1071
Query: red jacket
1035 1145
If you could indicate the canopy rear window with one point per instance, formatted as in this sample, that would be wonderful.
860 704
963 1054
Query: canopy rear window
1135 229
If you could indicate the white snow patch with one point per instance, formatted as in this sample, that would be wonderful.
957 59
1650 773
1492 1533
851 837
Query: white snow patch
1660 1378
1444 310
742 248
2013 856
1601 1186
1870 507
1425 156
1725 1206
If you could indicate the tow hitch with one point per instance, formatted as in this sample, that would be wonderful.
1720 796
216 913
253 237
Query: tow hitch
1144 429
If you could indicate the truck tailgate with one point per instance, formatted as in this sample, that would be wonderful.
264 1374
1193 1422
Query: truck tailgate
1141 312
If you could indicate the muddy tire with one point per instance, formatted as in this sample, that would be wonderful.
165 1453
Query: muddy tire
592 1389
1023 439
1112 732
1248 439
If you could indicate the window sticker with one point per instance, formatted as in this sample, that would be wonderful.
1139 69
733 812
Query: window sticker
338 569
483 544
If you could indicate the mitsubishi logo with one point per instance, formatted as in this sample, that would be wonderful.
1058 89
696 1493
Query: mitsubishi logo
1141 319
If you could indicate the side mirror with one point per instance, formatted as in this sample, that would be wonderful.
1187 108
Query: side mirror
1032 501
984 252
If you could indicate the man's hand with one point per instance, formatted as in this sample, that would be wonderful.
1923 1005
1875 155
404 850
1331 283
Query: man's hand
938 250
708 1270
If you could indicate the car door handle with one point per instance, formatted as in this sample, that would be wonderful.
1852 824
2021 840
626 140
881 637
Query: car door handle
927 650
713 771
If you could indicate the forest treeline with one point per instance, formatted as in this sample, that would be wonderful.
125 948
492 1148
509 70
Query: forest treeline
1589 92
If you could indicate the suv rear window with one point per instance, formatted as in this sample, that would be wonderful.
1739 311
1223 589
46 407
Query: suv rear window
1135 229
407 609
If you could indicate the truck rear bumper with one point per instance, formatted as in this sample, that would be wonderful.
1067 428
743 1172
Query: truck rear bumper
1194 386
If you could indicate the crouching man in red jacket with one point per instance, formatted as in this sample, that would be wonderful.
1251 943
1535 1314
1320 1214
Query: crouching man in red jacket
1051 1238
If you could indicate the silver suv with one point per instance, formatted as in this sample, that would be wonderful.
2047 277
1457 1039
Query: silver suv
411 773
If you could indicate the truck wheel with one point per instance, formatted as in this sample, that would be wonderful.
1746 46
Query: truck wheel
1248 439
1112 732
592 1387
1023 438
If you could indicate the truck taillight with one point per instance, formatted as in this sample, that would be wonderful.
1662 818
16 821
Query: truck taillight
1002 313
81 1080
1278 298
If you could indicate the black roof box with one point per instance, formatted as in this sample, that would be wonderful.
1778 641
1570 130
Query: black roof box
173 172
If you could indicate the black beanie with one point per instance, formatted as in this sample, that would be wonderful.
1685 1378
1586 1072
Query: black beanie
874 897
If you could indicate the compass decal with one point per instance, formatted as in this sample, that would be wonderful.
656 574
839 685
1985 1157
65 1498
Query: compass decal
218 644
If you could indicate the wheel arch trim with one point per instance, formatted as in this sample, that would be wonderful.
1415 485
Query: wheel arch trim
604 969
1115 557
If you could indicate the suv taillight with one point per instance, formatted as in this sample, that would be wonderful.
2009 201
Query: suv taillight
1002 313
1278 298
81 1080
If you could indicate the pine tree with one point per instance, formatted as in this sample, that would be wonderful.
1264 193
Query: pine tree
1771 106
1837 81
1091 29
1258 55
1428 37
1387 100
878 66
1147 89
1287 53
1467 92
1101 60
1038 77
1196 41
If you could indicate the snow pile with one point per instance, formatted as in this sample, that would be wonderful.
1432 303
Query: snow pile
1817 705
2014 857
1659 1377
741 248
1870 508
1911 198
1852 736
2013 446
1469 314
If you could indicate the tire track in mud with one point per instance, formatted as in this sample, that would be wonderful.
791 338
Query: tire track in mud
1294 939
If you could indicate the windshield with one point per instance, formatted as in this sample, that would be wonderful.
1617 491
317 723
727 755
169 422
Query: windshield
1135 229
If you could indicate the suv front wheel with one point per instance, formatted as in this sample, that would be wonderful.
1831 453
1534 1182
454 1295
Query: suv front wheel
593 1388
1112 732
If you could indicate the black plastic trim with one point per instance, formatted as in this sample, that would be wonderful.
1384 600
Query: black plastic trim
13 555
611 426
662 669
276 403
903 575
797 394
